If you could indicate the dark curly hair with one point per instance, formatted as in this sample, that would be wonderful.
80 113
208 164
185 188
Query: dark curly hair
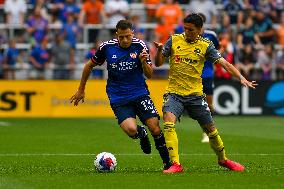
194 18
124 25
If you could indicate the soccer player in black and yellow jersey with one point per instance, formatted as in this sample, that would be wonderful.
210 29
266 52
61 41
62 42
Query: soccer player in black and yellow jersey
187 53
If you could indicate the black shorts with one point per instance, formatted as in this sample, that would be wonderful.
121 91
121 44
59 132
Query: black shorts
208 86
143 107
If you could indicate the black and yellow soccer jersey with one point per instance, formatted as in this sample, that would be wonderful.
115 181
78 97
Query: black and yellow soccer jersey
186 63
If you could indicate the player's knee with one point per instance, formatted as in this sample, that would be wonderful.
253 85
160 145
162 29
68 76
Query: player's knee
169 117
131 132
209 128
155 129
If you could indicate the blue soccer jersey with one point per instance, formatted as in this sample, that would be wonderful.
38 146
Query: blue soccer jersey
125 74
208 71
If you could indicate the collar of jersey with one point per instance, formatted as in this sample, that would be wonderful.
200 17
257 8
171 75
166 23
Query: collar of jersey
198 37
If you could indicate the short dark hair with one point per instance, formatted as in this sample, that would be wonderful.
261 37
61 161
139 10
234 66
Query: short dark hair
123 25
195 19
203 16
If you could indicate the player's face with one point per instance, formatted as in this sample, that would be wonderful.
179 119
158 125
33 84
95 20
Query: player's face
191 32
124 37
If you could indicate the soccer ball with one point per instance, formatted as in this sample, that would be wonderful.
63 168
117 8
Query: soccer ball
105 162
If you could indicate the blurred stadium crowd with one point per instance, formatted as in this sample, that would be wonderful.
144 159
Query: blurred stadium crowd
51 39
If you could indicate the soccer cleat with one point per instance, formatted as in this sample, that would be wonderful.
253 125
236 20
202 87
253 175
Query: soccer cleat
234 166
175 168
205 138
145 142
167 166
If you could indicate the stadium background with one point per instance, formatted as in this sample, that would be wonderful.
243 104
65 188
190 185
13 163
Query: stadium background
45 142
32 29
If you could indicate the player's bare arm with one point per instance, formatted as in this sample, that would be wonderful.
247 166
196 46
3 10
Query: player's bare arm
159 58
233 71
80 94
147 68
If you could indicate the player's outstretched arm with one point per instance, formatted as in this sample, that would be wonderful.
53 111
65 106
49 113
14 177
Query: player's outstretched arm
80 94
147 68
235 72
159 58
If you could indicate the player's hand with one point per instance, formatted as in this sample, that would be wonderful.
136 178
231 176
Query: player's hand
246 83
144 56
77 97
159 46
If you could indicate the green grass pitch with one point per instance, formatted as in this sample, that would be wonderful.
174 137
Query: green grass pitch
59 153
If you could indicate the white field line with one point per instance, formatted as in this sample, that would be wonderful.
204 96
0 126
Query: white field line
4 124
75 154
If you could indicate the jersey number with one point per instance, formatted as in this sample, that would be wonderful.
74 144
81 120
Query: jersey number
204 103
148 105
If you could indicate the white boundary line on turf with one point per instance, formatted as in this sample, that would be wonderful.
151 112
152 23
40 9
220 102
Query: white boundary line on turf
4 124
49 154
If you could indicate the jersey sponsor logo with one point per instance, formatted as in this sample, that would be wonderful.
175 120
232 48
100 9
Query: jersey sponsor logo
133 55
122 66
179 59
127 66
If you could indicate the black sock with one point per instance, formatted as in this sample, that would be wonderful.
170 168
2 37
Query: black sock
160 144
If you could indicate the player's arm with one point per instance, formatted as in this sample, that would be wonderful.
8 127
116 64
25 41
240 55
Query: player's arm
97 59
235 72
85 74
163 51
80 94
146 66
214 56
159 58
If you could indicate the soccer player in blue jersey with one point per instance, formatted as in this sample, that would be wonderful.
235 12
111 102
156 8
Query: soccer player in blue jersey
208 72
128 60
187 53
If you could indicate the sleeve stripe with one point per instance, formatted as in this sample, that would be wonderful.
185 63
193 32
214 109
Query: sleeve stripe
110 42
95 62
142 43
216 60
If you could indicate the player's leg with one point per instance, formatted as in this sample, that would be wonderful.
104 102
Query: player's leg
159 139
172 109
209 99
135 131
208 90
149 116
126 115
199 111
218 146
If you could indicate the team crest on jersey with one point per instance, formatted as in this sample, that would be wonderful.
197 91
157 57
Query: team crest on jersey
197 51
133 55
